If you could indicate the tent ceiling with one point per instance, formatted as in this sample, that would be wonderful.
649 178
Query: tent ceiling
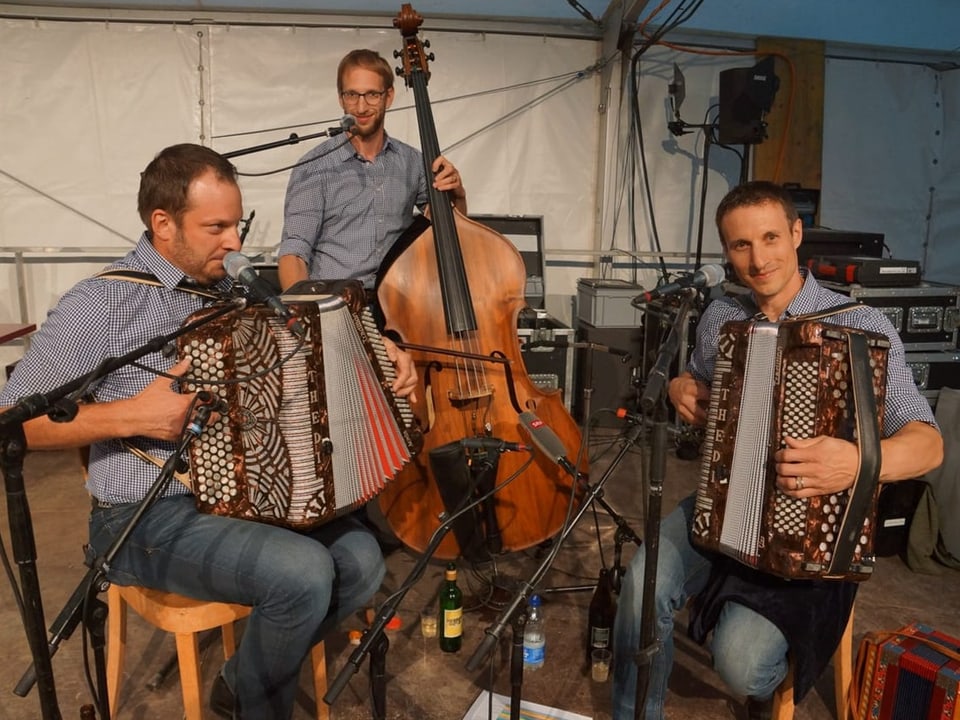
586 12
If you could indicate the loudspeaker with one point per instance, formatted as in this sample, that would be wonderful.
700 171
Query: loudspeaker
746 95
607 374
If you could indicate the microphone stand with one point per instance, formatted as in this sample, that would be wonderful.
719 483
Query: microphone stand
13 449
375 642
292 140
652 401
492 634
624 531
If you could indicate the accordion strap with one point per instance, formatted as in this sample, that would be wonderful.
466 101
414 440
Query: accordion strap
183 477
145 278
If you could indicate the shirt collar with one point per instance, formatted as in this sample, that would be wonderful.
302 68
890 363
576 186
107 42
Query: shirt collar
348 152
168 273
803 302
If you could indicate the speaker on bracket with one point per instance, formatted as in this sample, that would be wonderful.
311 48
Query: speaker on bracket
746 95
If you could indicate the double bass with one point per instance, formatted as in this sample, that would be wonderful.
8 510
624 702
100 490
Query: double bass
453 294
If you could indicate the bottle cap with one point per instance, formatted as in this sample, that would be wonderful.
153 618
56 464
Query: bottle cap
355 636
535 600
451 571
394 623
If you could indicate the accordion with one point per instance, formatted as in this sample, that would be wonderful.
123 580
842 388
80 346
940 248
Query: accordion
800 379
912 674
312 429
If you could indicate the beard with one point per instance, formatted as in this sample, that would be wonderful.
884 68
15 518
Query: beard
374 128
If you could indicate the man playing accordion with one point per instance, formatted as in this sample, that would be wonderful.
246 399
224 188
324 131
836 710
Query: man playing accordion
299 583
754 617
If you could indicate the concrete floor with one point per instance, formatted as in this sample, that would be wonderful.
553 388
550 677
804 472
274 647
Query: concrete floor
424 683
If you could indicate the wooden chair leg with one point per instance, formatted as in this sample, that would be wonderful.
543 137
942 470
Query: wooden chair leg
783 706
116 645
843 668
229 639
188 657
319 658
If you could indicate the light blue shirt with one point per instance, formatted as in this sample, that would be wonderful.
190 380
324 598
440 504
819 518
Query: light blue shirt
343 213
103 318
903 402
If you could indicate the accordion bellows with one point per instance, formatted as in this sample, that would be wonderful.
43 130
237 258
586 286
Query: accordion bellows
771 381
310 432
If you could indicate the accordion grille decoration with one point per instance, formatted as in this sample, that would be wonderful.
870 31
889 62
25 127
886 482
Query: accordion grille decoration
791 379
310 432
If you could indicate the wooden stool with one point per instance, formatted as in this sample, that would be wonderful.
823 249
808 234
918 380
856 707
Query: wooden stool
185 618
783 706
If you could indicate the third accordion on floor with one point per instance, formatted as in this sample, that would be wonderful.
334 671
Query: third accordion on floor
912 673
801 378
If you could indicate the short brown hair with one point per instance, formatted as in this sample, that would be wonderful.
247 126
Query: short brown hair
368 60
756 192
166 181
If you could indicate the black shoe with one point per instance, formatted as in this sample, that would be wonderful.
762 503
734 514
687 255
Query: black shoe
759 709
222 700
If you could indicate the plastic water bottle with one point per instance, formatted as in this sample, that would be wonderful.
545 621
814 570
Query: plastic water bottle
534 638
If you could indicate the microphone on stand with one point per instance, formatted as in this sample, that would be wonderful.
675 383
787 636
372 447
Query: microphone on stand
348 124
492 443
240 268
706 277
547 441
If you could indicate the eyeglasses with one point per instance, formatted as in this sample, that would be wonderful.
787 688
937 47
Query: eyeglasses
373 97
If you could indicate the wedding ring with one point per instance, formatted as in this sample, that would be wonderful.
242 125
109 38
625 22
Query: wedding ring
799 482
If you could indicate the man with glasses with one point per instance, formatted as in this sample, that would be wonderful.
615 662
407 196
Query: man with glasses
348 201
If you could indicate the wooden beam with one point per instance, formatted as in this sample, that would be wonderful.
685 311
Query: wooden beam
802 152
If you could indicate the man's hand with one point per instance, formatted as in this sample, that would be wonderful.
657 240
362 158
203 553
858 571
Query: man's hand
816 466
447 178
406 381
160 410
690 398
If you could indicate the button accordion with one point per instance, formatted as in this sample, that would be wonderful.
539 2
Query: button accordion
799 379
312 428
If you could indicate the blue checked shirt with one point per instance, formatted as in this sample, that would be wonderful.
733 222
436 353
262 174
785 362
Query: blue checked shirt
903 403
107 318
342 213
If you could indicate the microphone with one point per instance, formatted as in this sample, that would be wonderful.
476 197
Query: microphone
240 269
348 124
706 277
492 443
547 441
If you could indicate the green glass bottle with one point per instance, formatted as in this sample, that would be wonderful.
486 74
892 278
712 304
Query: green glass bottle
451 612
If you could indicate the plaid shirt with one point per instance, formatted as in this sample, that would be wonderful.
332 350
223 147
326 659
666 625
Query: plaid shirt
342 213
903 403
103 318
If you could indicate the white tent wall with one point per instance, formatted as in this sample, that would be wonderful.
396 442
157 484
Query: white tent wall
891 163
88 104
883 155
675 168
85 105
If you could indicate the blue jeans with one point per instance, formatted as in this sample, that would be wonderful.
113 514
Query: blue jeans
749 652
299 584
